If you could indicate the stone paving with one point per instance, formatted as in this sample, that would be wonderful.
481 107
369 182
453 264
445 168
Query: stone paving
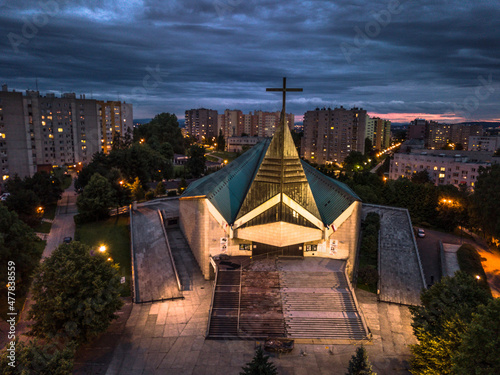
153 270
401 274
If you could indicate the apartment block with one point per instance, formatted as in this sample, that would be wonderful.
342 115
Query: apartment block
477 143
331 134
202 123
234 123
40 132
444 167
438 135
236 144
379 132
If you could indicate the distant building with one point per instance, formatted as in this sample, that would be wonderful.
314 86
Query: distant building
444 167
40 132
202 123
236 144
331 134
477 143
438 135
234 123
379 132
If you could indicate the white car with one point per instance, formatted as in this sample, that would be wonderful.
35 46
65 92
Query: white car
4 196
421 233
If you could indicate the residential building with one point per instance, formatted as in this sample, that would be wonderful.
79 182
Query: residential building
379 132
40 132
477 143
444 167
331 134
236 144
231 123
202 123
438 135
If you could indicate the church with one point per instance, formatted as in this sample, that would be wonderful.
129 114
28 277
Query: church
269 201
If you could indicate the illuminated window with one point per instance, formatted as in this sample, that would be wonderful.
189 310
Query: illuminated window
60 130
441 175
443 169
51 135
43 123
2 135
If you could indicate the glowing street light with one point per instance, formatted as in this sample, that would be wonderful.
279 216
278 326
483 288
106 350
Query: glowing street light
110 259
478 277
102 248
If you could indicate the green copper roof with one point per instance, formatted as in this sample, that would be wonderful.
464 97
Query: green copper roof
226 189
332 197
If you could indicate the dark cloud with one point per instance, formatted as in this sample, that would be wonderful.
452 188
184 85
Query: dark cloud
386 56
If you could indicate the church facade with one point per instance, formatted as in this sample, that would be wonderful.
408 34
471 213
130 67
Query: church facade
269 201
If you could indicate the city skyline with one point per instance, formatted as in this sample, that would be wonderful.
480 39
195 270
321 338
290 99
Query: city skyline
397 59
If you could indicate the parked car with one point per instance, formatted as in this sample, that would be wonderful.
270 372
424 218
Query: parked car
4 196
67 239
421 233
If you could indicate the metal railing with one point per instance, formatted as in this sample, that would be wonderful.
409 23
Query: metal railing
212 301
169 250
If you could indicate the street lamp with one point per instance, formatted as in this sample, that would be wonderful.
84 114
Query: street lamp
102 248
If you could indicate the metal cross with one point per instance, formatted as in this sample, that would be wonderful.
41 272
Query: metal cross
285 90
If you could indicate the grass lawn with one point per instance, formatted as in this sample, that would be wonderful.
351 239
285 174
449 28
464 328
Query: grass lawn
229 156
43 227
115 234
50 212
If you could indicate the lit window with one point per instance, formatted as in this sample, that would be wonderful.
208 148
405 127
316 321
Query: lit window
441 175
435 168
60 130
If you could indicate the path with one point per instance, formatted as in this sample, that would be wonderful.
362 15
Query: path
62 226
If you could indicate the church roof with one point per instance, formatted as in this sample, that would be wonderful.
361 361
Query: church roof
227 188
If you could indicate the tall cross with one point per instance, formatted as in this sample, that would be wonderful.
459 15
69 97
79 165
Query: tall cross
284 90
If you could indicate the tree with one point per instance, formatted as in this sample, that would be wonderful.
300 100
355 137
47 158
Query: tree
164 127
196 161
485 207
96 199
479 352
160 189
221 142
182 185
76 294
453 297
446 310
36 357
259 365
18 245
368 146
421 177
137 190
359 364
355 161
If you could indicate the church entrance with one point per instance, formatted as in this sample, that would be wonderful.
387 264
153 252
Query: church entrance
289 251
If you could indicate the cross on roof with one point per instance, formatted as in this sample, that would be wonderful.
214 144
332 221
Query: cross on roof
284 90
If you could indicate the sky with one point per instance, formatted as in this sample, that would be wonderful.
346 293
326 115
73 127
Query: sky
398 60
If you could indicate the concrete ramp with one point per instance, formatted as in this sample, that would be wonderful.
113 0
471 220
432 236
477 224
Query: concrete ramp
154 273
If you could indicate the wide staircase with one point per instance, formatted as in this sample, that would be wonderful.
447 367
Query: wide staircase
319 305
261 313
224 318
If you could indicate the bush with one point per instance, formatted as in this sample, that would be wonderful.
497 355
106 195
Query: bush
470 262
368 275
150 195
172 193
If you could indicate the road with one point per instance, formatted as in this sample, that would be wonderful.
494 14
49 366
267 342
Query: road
429 254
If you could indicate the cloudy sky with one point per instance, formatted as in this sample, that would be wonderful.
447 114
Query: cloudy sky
437 59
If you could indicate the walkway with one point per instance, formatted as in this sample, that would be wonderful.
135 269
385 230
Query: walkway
400 269
153 270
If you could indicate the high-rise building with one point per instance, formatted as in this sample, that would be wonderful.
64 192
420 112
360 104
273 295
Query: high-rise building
331 134
235 123
39 132
477 143
202 123
379 132
438 135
